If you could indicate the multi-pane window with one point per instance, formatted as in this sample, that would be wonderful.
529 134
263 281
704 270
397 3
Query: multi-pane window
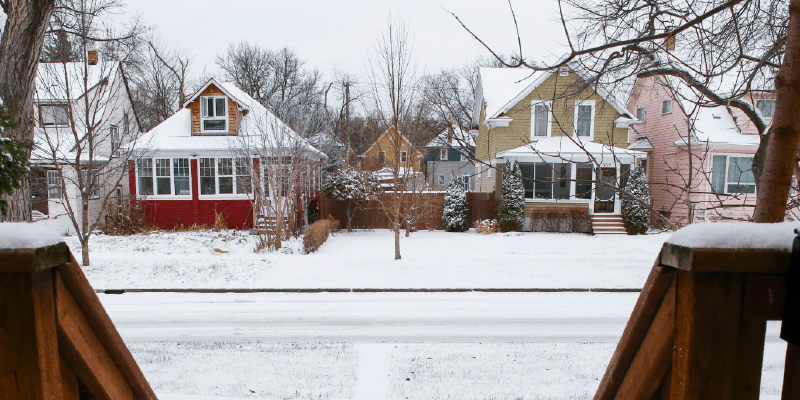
666 106
732 175
53 115
163 179
91 182
767 107
541 119
225 169
583 181
214 113
53 184
546 181
243 182
144 169
180 175
114 135
584 116
403 156
443 154
208 176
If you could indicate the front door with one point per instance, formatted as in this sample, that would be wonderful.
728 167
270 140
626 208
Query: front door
603 196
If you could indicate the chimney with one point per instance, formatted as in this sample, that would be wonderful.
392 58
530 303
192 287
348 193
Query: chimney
91 57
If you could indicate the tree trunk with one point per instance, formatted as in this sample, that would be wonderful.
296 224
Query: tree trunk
349 211
781 156
20 49
84 250
397 242
86 232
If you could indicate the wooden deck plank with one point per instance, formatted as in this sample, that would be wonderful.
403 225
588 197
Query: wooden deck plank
749 359
791 374
32 260
725 260
764 297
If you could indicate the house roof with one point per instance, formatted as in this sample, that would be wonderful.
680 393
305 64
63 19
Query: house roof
62 82
502 88
225 89
458 138
565 149
386 132
715 125
642 143
258 128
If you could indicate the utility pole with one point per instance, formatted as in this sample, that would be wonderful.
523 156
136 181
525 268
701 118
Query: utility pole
347 118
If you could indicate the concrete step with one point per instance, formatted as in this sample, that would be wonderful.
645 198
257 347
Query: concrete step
608 225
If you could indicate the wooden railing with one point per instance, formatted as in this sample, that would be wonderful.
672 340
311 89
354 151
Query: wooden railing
56 340
698 328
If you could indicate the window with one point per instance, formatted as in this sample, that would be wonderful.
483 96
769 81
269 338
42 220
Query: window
225 169
443 154
563 71
441 179
54 115
214 113
243 182
381 157
641 113
767 107
144 169
546 181
463 156
208 181
125 123
465 181
583 181
541 118
403 156
163 179
666 106
584 118
91 182
114 134
180 175
732 175
53 185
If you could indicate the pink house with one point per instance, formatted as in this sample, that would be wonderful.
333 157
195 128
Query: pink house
700 158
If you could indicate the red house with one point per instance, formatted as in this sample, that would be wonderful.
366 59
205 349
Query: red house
223 153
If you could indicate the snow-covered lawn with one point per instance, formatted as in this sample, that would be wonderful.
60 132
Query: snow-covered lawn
364 259
334 371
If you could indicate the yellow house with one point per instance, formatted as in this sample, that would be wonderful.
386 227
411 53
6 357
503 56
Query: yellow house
564 134
391 149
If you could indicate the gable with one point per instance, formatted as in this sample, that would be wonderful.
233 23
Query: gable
233 113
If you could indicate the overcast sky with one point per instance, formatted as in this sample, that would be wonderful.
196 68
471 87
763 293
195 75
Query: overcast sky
330 34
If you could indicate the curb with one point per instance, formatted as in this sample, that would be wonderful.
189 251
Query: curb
374 290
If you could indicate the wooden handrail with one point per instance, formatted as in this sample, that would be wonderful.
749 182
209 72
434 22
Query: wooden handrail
698 328
56 335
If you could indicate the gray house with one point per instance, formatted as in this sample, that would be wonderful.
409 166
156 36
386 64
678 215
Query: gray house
449 155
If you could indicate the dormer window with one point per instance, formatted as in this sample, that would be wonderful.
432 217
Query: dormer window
214 114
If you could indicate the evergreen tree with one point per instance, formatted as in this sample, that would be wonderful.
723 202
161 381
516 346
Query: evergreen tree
511 212
635 215
352 186
455 216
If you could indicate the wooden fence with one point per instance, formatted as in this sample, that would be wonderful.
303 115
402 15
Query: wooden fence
429 207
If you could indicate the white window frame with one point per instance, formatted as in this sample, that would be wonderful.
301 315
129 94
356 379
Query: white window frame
235 194
463 156
663 104
549 105
760 108
203 117
54 183
403 156
725 184
113 133
441 180
644 113
578 103
443 154
154 177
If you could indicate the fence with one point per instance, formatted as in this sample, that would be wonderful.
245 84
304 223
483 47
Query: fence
430 205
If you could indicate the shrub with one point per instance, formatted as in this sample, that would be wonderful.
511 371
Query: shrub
486 226
511 211
635 215
219 222
317 233
128 221
566 220
455 213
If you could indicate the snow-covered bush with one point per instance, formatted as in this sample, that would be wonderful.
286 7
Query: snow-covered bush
455 215
511 211
635 215
486 226
352 186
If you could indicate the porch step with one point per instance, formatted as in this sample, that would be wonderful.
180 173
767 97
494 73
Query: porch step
266 223
608 225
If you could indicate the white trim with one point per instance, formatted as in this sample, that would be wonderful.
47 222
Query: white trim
578 103
154 177
663 102
203 118
442 154
217 194
549 105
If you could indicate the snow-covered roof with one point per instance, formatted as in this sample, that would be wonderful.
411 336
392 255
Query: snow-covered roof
716 125
642 143
565 149
62 82
27 236
175 133
502 88
458 138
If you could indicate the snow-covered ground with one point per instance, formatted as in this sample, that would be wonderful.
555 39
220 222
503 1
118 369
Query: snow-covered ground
364 259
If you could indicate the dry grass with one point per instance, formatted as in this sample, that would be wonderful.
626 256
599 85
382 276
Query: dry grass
317 233
219 222
486 226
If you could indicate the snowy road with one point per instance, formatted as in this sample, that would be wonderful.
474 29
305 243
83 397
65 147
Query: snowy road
372 317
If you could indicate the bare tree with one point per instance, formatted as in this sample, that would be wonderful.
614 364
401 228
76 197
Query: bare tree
20 49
